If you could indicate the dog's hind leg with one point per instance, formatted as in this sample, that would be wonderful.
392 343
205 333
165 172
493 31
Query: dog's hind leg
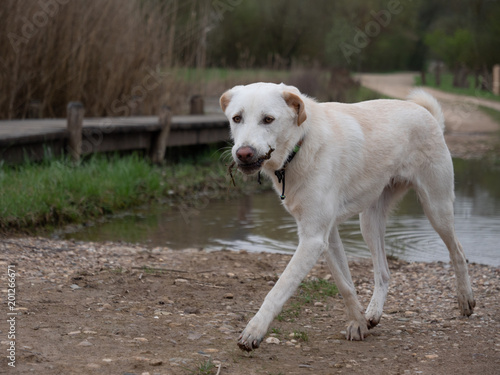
373 224
357 328
435 190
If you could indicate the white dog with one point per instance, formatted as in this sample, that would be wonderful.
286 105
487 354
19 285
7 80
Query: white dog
341 160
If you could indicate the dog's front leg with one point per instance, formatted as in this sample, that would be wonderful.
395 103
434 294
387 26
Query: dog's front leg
303 260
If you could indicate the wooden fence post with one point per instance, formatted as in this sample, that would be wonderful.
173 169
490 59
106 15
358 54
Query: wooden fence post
75 122
160 143
197 104
437 73
35 109
496 79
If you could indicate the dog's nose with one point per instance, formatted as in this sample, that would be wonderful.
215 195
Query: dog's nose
245 154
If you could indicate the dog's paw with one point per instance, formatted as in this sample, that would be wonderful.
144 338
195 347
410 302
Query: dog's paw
247 342
466 303
372 316
372 321
253 334
356 331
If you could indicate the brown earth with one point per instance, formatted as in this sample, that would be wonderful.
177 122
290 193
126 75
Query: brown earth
113 308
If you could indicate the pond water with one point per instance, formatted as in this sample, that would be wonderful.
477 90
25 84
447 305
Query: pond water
260 223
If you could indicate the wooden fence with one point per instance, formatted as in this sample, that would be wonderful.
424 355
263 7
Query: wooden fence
22 140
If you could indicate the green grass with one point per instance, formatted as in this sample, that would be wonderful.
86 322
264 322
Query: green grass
447 85
204 368
317 290
361 93
55 192
308 292
301 335
276 331
290 313
192 75
493 113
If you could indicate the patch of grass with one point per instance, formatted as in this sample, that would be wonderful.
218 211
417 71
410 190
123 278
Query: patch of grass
493 113
204 368
55 193
149 270
276 331
361 93
301 335
447 85
231 76
309 291
316 290
291 313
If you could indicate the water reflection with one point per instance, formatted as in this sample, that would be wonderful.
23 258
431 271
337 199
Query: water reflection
260 223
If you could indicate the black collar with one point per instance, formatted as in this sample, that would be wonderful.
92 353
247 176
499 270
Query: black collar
280 174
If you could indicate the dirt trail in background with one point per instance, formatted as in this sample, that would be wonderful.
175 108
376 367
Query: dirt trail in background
469 131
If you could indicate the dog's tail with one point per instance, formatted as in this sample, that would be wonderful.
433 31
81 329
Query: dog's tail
427 101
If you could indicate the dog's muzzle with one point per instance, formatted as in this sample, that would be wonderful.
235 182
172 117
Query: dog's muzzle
248 161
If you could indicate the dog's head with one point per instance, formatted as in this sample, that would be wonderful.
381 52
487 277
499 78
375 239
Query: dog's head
263 117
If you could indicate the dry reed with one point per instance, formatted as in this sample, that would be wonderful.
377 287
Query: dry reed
112 55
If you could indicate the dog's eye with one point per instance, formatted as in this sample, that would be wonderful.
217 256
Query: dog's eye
268 119
237 119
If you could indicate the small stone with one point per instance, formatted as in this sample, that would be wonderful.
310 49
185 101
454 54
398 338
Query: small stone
85 343
431 356
272 340
74 287
191 310
107 360
211 350
230 275
227 329
318 304
107 306
74 333
140 339
162 312
156 362
180 281
194 336
229 295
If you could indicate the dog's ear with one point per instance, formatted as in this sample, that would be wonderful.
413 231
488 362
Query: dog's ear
225 99
296 103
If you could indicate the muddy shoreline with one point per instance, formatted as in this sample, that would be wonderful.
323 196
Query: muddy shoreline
117 308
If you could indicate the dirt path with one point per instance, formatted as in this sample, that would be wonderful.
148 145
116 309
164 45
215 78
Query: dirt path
114 308
469 131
